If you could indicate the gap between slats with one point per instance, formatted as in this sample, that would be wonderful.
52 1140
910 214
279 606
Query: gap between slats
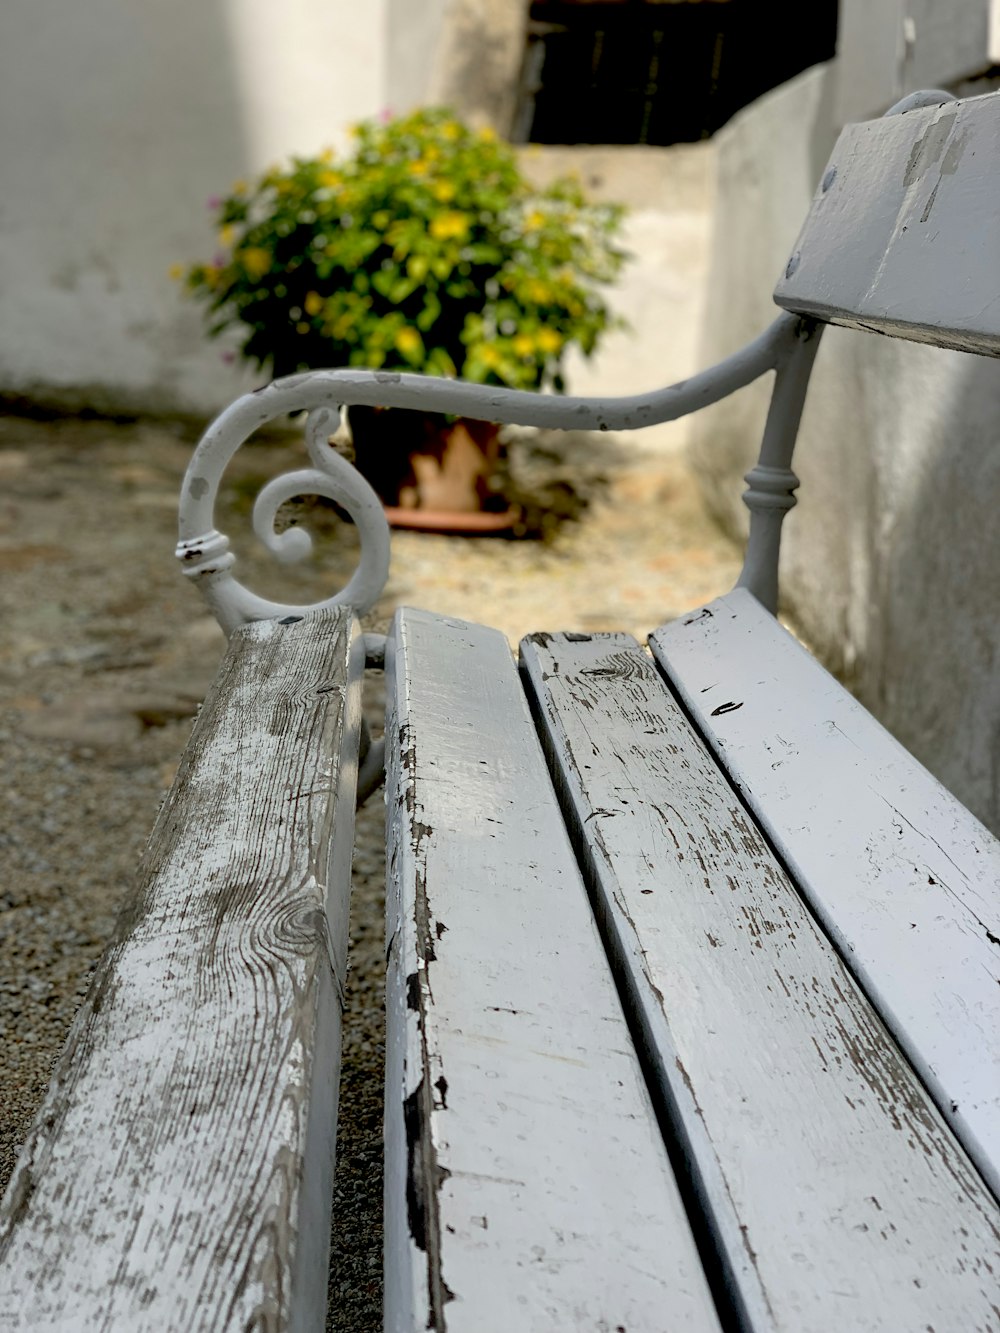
847 958
654 1045
714 1254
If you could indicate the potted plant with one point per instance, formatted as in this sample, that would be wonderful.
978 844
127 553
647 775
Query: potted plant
424 249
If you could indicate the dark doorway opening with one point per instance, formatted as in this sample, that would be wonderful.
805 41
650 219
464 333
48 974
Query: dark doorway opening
660 71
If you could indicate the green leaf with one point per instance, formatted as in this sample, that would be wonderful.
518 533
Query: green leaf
384 280
401 289
430 313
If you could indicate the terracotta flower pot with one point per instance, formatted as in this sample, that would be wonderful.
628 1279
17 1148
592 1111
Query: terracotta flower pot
424 465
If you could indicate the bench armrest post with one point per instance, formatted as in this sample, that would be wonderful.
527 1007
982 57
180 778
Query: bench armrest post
771 483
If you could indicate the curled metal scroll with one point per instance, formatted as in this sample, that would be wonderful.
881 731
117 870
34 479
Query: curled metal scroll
204 551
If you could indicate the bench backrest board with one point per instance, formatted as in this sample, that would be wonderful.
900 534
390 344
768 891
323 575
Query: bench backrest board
903 236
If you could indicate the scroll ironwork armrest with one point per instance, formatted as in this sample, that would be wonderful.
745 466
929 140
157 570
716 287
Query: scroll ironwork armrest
787 347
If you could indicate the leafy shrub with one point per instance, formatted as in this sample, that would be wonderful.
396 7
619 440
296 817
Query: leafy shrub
425 249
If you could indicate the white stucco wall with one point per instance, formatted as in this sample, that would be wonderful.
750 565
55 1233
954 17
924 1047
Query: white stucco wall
465 54
117 121
413 39
661 292
887 48
890 561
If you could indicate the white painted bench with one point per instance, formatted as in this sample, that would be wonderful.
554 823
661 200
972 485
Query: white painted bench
693 973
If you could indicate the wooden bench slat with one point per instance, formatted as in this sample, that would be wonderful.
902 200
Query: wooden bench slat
903 236
904 878
527 1185
179 1174
839 1196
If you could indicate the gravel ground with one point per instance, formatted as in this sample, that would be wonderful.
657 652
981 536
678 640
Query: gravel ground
105 655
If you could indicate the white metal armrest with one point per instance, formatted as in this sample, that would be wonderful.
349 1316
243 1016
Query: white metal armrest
787 347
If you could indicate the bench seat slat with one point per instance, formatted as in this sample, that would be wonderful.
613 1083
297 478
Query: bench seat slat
527 1185
179 1175
905 879
903 236
840 1198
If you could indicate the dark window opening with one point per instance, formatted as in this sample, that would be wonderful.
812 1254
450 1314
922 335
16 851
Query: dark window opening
659 71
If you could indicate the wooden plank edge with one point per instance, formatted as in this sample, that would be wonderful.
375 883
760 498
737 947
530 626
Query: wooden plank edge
311 1274
414 1292
306 1228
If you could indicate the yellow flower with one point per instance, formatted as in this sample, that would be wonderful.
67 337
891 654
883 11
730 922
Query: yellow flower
416 268
444 192
177 272
417 168
329 179
487 134
238 187
302 327
381 219
489 354
313 303
538 291
255 261
408 341
326 155
524 344
227 235
448 225
548 340
534 220
451 129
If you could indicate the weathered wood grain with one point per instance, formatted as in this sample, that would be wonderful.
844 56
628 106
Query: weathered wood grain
179 1175
903 877
840 1199
903 236
527 1186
